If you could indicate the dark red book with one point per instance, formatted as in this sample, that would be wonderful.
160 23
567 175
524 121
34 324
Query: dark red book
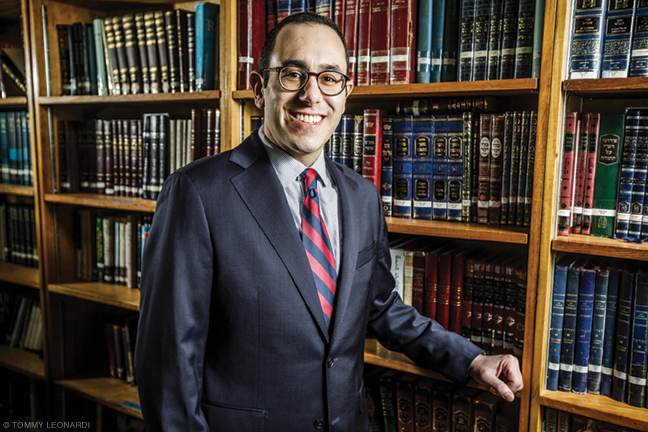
498 306
510 298
431 285
443 288
462 409
487 299
372 145
351 11
339 12
456 292
466 306
423 394
485 409
484 149
418 280
442 407
364 42
380 19
402 41
477 301
520 308
251 34
405 402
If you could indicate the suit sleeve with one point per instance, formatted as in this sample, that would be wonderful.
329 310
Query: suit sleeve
401 328
177 270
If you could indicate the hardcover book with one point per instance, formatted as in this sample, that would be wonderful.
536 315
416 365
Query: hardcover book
423 133
586 44
617 37
440 168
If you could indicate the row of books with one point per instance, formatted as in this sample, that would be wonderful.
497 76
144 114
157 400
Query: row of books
18 232
12 71
132 157
562 421
109 248
603 180
121 335
15 149
403 402
25 328
598 329
402 42
479 295
608 39
147 52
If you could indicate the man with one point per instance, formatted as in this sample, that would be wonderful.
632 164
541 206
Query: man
254 308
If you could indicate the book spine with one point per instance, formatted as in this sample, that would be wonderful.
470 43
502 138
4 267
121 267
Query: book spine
481 24
598 331
438 26
609 332
351 35
507 142
524 45
442 410
244 54
638 54
485 139
356 152
418 280
100 158
496 162
568 343
639 180
623 336
580 174
132 54
108 158
538 31
443 290
466 306
466 205
477 303
522 173
467 40
387 165
171 30
380 42
102 79
496 15
567 174
431 284
183 50
191 50
64 55
440 168
556 325
515 166
402 44
134 155
364 42
422 134
402 180
627 168
88 59
450 42
520 309
372 149
488 301
637 370
120 47
510 315
152 52
140 40
162 50
455 167
586 47
617 37
509 39
424 41
456 293
594 123
346 135
283 10
583 330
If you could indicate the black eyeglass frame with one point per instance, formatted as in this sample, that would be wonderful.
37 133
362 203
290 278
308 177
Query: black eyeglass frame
310 74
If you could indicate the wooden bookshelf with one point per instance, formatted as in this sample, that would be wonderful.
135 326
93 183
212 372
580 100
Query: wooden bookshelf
14 102
111 392
102 201
606 86
607 247
466 231
21 361
597 407
465 88
20 275
130 99
8 189
110 294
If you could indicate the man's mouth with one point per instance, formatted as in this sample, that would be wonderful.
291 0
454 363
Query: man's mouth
310 119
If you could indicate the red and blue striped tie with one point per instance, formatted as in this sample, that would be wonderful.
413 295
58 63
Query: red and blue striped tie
318 245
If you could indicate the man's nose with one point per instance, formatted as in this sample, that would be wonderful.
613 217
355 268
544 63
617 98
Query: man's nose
311 91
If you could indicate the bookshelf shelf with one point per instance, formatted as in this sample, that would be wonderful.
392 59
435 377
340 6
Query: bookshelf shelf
467 88
21 361
18 274
600 246
103 201
110 294
606 86
466 231
7 189
175 98
111 392
597 407
14 102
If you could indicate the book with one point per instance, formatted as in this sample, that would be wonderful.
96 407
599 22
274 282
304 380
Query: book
64 57
523 61
120 48
162 51
592 149
402 175
586 41
568 343
522 170
626 175
251 33
455 165
496 15
583 329
485 407
515 166
623 335
509 39
380 42
556 323
607 172
182 17
609 331
438 33
402 41
495 175
357 146
638 55
527 197
350 30
457 271
206 45
424 41
372 148
481 25
423 397
450 41
440 158
364 42
467 40
485 139
171 28
132 54
466 204
598 328
538 32
152 53
637 345
405 413
442 407
423 135
102 78
617 36
140 40
639 179
387 382
580 165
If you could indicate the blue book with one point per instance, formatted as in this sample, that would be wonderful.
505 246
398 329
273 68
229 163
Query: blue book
617 35
637 372
455 166
27 172
609 334
422 134
538 32
283 9
586 47
438 25
402 180
568 343
205 45
638 55
583 329
557 316
623 336
4 148
387 169
466 40
440 169
297 6
336 143
13 149
346 136
481 21
322 7
598 329
358 138
626 177
639 181
644 220
424 41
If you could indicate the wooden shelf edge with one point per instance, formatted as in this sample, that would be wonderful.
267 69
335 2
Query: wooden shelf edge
8 189
458 230
21 361
607 247
14 102
597 407
102 201
111 392
605 86
468 88
109 294
205 96
19 274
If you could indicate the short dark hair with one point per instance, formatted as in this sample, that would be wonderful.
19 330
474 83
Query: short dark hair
308 18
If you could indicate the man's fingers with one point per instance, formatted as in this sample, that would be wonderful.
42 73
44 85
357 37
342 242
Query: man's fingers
498 387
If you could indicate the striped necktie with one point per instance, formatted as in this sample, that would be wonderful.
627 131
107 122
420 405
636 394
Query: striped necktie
318 245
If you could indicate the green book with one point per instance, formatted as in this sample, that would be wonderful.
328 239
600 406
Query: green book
607 174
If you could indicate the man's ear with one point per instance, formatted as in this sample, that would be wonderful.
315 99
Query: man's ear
256 81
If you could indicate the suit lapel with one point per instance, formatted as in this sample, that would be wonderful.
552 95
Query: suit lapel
262 193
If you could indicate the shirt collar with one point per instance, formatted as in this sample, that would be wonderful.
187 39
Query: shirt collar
288 168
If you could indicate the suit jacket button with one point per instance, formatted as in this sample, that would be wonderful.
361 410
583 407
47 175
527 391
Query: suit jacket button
330 362
319 424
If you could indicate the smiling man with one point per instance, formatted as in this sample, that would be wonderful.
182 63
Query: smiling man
266 265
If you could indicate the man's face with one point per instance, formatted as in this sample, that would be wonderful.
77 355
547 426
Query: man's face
300 122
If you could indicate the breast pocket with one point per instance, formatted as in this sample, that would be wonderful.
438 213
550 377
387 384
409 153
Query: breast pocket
366 255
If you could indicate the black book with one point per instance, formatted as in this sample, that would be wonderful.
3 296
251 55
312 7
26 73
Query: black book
450 42
183 50
89 59
140 39
151 49
191 51
524 41
112 55
623 335
64 56
132 54
509 39
494 39
163 54
120 47
171 27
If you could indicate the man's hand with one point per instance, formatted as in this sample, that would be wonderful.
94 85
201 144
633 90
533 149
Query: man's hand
500 372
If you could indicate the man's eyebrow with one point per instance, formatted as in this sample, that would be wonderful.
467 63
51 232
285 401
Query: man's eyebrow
322 67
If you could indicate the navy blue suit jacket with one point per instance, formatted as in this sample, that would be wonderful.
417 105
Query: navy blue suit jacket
231 333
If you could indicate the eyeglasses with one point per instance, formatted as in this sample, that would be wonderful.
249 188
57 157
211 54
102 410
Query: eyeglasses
293 78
